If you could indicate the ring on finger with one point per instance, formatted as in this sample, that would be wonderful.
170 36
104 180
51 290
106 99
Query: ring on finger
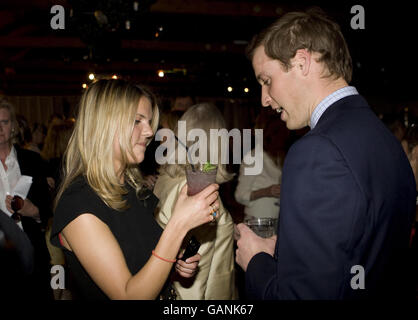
214 211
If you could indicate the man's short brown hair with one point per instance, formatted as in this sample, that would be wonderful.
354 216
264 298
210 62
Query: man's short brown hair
311 30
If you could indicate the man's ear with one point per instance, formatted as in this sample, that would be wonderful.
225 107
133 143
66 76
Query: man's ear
302 61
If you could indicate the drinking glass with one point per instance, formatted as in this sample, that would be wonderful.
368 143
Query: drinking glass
16 204
263 227
197 180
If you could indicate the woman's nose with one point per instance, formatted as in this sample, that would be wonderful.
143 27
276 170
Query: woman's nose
148 131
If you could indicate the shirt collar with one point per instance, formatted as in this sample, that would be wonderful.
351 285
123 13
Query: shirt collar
329 100
12 157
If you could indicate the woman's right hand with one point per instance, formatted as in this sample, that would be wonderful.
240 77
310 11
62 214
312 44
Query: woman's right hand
193 211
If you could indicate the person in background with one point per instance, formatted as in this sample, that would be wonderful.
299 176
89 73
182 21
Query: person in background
260 193
411 148
56 142
395 125
103 216
35 140
215 279
35 211
17 262
347 199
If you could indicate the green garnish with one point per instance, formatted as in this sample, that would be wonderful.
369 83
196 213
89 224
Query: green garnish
208 167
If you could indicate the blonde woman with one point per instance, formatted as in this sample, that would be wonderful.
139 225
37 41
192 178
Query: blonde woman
104 214
215 278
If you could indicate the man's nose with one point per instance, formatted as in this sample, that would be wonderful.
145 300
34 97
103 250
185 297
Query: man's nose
265 99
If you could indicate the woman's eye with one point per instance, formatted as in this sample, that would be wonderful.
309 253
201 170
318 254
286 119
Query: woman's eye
137 122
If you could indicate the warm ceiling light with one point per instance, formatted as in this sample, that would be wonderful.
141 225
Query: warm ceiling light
246 90
114 76
84 85
230 89
160 73
91 76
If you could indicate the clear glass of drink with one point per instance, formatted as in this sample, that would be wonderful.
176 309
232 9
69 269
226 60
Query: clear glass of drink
263 227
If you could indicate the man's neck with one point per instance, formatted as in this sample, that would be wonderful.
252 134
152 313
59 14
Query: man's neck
324 89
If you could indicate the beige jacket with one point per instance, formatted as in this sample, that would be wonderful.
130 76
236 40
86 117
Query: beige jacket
215 279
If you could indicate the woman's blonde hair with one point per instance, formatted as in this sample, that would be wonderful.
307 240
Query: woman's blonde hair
107 108
203 116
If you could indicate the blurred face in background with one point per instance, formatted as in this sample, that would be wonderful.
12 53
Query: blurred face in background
38 136
5 127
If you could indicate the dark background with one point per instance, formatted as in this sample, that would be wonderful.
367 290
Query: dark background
200 45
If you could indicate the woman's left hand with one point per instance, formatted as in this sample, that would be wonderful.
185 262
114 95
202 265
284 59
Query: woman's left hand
188 268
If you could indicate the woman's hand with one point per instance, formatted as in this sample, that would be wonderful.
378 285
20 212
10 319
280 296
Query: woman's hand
192 211
188 268
150 181
28 209
274 190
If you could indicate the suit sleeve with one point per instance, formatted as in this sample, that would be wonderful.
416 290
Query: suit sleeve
320 204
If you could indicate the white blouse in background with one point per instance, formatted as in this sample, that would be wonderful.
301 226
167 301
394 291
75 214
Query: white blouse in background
8 180
266 207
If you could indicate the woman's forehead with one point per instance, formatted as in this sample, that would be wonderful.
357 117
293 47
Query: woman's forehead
144 108
4 113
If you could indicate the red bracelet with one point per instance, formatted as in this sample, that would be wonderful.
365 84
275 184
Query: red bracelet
166 260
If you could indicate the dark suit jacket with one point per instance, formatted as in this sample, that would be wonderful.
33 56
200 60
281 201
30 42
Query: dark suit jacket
347 198
31 164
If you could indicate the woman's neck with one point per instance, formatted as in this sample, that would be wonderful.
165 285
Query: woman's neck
4 152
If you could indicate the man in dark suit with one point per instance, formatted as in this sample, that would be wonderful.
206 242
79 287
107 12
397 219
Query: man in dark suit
348 193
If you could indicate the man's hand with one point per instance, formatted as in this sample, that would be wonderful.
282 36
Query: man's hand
249 244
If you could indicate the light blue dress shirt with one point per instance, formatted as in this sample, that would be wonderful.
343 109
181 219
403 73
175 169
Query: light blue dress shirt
328 101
